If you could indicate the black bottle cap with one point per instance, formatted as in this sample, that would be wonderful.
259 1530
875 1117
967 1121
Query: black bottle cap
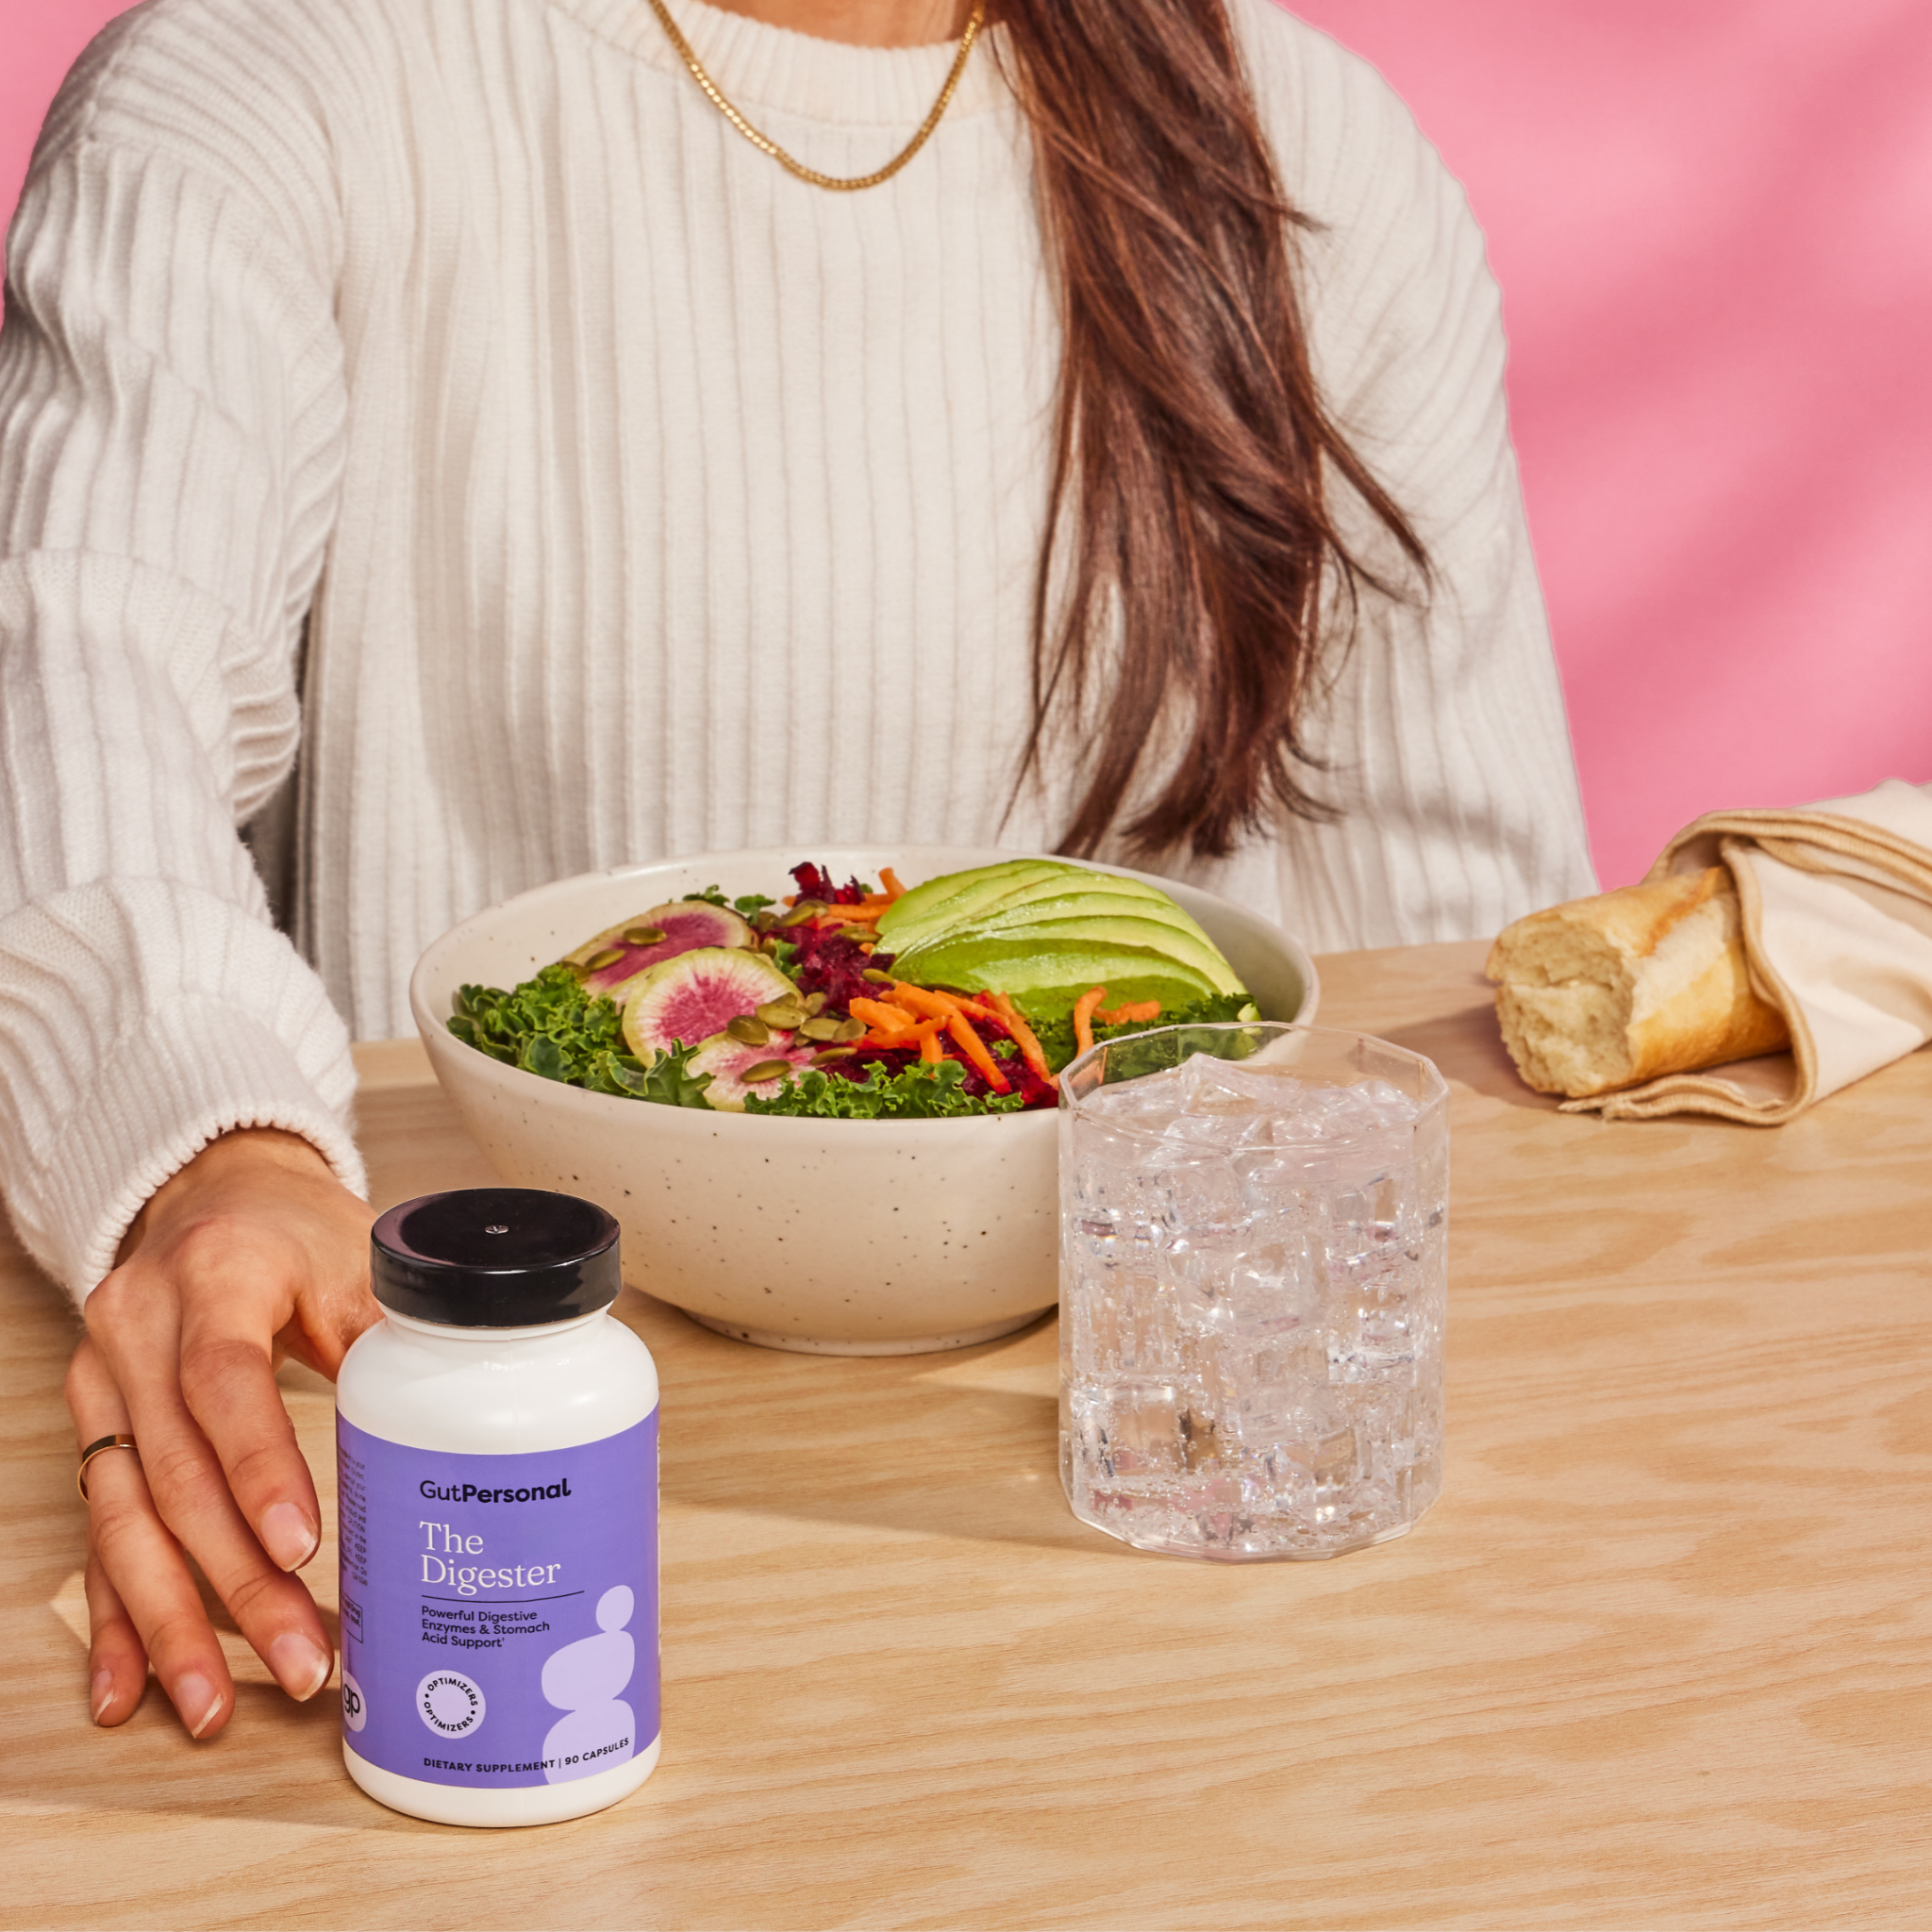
494 1258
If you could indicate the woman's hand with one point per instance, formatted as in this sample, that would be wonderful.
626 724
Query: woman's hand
252 1252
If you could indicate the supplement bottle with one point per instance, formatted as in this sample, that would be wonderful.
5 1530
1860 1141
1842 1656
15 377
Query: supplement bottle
496 1440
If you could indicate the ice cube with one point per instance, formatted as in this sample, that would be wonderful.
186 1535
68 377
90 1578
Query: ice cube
1267 1283
1390 1105
1212 1086
1319 1116
1196 1197
1378 1352
1332 1458
1147 1106
1132 1426
1103 1177
1123 1323
1276 1183
1220 1131
1273 1394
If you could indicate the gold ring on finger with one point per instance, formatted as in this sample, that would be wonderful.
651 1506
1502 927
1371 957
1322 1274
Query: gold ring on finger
100 1448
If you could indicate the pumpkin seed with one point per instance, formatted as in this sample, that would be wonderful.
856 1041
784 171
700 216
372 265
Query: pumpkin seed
784 1012
751 1030
765 1070
814 1003
827 1031
833 1052
645 935
850 1029
608 957
877 978
805 909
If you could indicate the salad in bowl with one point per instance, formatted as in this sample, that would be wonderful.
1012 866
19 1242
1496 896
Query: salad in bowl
965 994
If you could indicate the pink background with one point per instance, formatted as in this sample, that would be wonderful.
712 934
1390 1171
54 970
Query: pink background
1713 227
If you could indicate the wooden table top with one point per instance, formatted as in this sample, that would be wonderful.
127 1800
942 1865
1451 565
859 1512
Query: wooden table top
1660 1656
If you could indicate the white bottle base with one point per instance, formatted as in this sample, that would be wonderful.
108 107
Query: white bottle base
522 1805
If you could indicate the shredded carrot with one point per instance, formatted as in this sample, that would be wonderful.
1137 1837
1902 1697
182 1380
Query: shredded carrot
916 999
929 1042
934 1005
890 880
1084 1010
970 1044
879 1016
847 915
1024 1035
1138 1010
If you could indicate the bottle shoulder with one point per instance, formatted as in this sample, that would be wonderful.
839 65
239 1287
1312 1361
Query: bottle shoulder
496 1396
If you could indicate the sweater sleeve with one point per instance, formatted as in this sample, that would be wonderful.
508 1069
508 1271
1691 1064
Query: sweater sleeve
1443 728
171 405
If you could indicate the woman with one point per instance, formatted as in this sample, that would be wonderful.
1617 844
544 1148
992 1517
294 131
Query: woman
450 391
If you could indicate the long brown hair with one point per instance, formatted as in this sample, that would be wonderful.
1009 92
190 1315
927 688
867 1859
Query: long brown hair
1191 443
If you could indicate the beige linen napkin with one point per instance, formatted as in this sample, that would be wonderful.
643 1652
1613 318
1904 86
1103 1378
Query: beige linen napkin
1836 905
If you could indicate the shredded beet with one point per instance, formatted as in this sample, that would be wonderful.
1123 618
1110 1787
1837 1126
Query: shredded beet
887 1059
1025 1082
830 963
815 882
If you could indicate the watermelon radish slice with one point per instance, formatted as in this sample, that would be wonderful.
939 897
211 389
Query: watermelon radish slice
728 1061
689 998
685 924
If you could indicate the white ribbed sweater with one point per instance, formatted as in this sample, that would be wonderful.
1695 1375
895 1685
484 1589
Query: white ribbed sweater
442 389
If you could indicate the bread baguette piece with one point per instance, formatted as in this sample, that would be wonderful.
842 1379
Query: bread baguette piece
1605 993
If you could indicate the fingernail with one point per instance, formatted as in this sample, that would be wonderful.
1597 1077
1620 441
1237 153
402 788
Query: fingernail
197 1700
300 1664
103 1692
287 1535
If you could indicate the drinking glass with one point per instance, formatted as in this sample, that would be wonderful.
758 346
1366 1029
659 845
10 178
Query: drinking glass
1253 1278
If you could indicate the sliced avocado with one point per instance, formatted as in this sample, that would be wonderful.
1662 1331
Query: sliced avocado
1160 911
992 897
1054 937
1047 982
955 896
1074 879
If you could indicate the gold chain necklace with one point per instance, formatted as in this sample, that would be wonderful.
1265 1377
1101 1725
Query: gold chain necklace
766 145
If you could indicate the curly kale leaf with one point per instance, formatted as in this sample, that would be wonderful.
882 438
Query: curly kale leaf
670 1080
1056 1037
747 905
667 1079
925 1092
551 1026
548 1025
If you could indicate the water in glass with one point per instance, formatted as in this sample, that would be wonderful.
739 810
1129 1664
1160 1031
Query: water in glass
1253 1286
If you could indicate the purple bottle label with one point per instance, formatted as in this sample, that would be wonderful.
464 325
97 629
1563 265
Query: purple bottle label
499 1612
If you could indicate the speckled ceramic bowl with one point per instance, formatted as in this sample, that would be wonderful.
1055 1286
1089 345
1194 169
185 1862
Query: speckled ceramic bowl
834 1236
